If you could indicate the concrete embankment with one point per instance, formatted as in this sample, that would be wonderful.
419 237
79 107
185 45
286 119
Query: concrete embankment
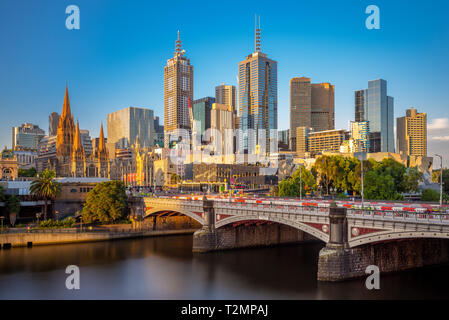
62 236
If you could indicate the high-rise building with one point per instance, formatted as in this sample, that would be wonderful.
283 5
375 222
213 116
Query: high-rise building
284 136
374 105
222 125
258 120
178 89
311 105
27 136
411 132
53 120
227 94
326 141
124 126
360 134
201 113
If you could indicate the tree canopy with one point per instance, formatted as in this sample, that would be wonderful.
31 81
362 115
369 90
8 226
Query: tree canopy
45 187
291 187
105 203
384 180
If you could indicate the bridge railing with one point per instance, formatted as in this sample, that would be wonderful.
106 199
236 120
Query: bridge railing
438 218
275 208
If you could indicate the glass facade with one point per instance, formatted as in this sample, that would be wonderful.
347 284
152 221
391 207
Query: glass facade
258 102
374 105
201 112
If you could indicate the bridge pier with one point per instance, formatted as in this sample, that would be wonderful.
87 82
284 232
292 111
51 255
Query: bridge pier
334 258
338 262
205 239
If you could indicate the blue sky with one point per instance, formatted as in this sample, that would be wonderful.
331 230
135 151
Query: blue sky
116 59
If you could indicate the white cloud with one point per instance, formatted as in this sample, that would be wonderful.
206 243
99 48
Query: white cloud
440 138
439 124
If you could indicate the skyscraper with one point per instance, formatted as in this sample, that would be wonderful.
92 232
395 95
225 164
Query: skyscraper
53 120
124 126
201 113
374 105
27 136
311 105
257 102
227 94
178 89
411 132
222 120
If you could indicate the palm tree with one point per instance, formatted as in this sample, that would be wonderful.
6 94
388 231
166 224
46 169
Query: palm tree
46 187
13 207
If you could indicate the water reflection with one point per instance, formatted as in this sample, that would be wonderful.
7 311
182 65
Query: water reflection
165 268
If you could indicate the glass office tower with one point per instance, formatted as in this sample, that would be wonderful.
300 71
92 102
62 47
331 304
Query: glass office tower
374 105
257 102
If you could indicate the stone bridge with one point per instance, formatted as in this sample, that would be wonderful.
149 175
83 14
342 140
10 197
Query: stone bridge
354 238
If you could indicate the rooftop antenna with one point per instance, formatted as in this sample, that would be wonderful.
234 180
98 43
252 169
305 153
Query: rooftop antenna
257 42
179 51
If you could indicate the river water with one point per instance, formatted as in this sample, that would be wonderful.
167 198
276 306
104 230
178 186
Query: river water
166 268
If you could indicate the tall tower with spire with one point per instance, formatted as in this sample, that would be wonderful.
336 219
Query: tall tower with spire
65 136
257 102
178 89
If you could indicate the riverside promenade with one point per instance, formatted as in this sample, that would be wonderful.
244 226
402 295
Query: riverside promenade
29 238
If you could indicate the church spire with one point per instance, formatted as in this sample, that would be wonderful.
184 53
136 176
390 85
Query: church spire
101 144
66 108
77 139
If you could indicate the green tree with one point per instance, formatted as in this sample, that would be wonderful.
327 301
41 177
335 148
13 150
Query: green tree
12 205
105 203
430 195
291 187
436 178
414 177
27 172
45 187
325 167
380 186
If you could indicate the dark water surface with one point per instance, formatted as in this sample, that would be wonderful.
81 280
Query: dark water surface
166 268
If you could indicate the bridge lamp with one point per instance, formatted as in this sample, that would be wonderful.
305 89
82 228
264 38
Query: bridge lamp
441 179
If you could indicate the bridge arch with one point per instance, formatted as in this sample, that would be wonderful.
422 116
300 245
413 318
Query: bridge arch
394 235
323 236
197 216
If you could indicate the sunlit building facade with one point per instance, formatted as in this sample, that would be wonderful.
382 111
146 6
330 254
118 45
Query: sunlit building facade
374 105
257 102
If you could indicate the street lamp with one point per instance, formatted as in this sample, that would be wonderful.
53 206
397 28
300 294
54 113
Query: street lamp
362 156
300 182
441 179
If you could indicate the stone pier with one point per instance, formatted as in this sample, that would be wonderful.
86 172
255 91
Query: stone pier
338 262
205 239
243 236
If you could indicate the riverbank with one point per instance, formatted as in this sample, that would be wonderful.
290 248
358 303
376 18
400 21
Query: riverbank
72 235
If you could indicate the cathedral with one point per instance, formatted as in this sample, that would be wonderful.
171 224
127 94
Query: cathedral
69 158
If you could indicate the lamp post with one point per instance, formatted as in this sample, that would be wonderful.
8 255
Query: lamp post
300 182
1 218
441 179
361 156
